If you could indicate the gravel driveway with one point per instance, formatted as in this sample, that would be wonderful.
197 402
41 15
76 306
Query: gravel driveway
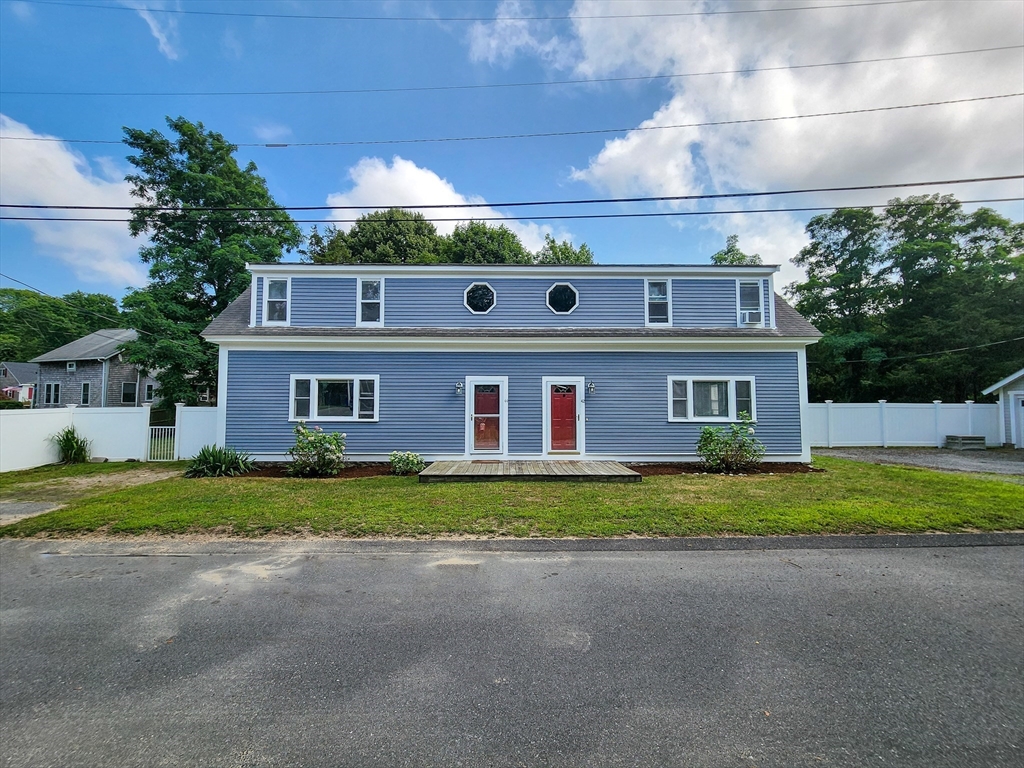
999 461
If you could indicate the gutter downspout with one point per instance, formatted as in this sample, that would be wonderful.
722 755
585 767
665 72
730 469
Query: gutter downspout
106 376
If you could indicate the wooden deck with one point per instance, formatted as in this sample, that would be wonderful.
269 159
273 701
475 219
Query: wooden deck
571 471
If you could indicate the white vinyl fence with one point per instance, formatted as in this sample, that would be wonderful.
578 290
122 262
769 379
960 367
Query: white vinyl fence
118 434
884 424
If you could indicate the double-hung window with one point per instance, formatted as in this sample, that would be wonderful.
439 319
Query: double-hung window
129 393
334 398
276 303
85 392
750 309
150 389
370 301
659 302
51 394
710 398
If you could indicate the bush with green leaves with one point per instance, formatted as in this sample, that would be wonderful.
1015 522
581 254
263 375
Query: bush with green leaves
12 405
73 447
406 463
316 453
731 449
215 461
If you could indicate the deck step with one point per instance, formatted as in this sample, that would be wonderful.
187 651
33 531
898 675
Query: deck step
495 471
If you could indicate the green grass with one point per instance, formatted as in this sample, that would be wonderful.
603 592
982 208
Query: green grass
64 482
851 497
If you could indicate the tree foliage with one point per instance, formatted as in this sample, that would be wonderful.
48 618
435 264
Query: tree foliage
31 324
477 243
732 254
205 217
564 252
890 290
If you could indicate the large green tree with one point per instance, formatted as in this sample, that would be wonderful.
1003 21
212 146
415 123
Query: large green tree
477 243
205 217
554 252
31 324
394 236
732 254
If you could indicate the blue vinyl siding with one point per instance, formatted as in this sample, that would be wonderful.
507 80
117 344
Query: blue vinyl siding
520 303
766 292
328 302
259 301
420 410
704 303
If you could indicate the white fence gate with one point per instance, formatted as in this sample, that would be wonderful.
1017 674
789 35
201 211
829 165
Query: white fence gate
161 444
885 424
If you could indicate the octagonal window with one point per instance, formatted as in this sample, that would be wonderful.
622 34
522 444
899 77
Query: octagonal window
480 298
562 298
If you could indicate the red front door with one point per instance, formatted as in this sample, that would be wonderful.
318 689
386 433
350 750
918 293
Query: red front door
563 417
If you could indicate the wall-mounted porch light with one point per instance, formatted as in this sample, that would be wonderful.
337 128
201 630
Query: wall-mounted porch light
458 387
591 388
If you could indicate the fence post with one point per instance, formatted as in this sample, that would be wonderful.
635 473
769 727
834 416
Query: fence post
828 422
938 413
970 417
177 430
146 431
881 417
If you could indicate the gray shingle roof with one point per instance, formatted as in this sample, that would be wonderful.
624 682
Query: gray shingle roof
23 373
234 321
98 345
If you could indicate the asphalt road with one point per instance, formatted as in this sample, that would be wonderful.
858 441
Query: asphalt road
302 654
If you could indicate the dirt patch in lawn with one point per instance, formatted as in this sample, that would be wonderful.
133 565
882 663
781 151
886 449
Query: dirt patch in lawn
68 488
356 469
689 468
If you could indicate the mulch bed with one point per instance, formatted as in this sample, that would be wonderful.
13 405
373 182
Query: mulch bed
356 469
692 468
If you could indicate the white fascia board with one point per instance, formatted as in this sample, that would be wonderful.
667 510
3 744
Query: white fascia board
629 458
493 344
1008 380
480 272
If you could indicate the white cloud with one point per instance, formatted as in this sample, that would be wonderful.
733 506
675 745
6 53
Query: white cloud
501 40
22 10
272 132
163 26
231 46
963 140
375 183
50 173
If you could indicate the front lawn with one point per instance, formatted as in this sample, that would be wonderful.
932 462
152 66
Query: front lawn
851 497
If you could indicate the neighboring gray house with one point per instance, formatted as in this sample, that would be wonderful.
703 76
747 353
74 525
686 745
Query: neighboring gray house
506 361
1011 408
91 372
18 381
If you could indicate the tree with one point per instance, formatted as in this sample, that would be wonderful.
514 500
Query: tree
205 217
394 236
564 252
31 324
329 248
478 243
732 254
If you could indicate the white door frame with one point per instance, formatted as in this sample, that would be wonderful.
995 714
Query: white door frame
581 414
1016 428
471 382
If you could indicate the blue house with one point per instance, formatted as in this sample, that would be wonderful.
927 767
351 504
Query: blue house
528 362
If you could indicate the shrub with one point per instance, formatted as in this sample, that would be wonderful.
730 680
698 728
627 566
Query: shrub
73 447
12 405
316 453
730 450
406 463
214 461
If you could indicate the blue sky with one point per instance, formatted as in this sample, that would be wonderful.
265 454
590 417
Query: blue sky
134 47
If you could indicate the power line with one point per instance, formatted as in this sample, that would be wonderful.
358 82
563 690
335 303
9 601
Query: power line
348 17
582 81
586 201
564 217
550 134
41 292
924 354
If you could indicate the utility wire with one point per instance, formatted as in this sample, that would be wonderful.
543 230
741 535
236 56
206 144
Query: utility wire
564 217
924 354
109 319
549 134
347 17
583 81
588 201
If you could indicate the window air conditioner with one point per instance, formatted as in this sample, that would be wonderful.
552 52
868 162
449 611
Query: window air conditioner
750 317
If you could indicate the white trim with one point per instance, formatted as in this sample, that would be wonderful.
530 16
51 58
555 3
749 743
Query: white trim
147 395
553 272
124 384
694 419
315 378
1016 406
501 381
770 309
580 383
83 398
805 412
629 458
288 303
647 301
739 305
1003 382
465 297
72 366
48 398
547 297
360 323
493 343
222 397
252 300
